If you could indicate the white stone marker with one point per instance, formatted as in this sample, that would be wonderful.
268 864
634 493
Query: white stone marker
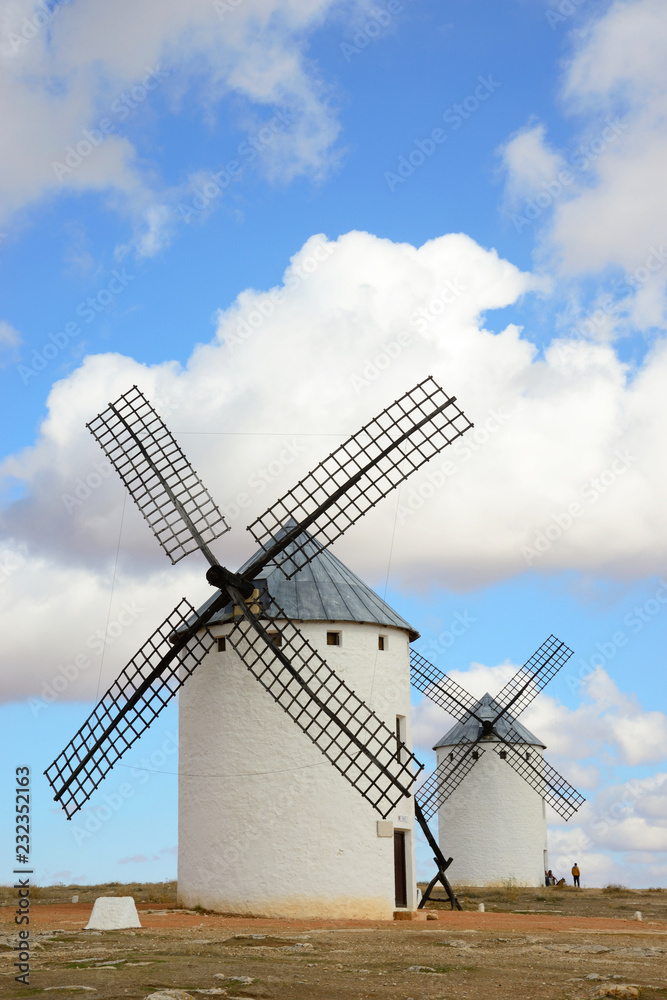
113 913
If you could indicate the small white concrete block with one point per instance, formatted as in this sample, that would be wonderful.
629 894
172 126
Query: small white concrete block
75 899
170 995
480 907
112 913
638 914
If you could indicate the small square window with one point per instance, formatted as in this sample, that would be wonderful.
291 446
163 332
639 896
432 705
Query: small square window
475 755
276 638
382 642
222 644
333 638
503 754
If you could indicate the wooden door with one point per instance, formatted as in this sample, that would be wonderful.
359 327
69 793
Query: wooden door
400 880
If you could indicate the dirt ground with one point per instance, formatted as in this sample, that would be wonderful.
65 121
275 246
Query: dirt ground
547 943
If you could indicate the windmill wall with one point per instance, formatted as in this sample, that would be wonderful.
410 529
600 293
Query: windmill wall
267 826
494 823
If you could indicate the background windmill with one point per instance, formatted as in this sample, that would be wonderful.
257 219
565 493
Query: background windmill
370 754
495 823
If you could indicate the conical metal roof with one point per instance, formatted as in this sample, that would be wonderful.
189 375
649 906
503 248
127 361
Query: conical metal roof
322 590
469 729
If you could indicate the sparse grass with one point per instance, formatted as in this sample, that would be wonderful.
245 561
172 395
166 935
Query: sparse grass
143 892
565 899
614 887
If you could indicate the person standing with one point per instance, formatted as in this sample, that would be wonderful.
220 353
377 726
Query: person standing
575 874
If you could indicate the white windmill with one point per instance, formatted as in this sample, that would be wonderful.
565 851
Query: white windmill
494 822
317 847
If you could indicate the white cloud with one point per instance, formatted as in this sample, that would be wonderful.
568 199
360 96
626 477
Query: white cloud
620 837
355 323
618 69
610 215
90 62
609 726
529 163
9 341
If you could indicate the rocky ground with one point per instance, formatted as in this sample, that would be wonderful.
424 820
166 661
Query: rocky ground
528 944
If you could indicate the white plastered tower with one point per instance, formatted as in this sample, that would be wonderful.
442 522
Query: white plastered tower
267 825
494 823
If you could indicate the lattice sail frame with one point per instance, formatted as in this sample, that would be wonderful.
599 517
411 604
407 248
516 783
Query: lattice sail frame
349 734
440 688
533 676
518 693
158 476
364 469
541 776
183 517
447 776
115 732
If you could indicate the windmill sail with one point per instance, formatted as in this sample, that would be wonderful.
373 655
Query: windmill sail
358 474
440 688
447 776
331 714
533 676
183 517
158 476
541 776
490 719
135 699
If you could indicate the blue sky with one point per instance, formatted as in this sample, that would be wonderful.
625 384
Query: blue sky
482 178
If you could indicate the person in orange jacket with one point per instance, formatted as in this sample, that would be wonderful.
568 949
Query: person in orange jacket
575 874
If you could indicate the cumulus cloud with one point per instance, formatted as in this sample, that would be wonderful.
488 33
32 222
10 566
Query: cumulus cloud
529 163
67 71
616 69
608 726
9 342
619 837
291 372
609 214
